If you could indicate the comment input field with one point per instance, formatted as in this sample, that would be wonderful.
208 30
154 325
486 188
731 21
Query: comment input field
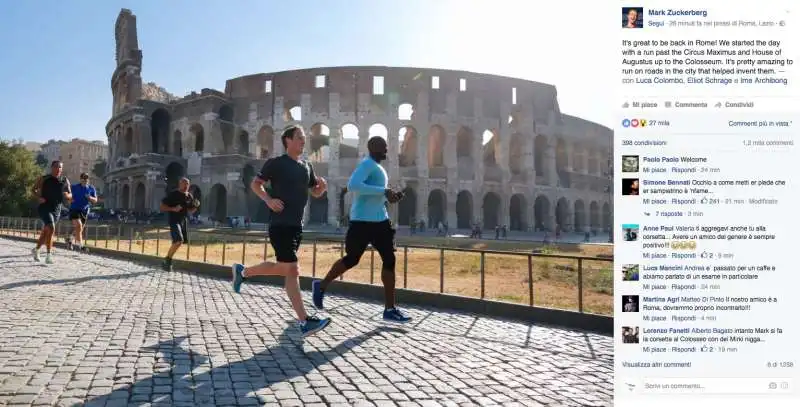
669 385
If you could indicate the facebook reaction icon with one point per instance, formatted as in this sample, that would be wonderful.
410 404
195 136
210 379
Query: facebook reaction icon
626 123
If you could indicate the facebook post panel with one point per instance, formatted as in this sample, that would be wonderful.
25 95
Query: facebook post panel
705 205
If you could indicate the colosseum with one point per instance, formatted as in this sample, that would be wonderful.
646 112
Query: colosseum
467 148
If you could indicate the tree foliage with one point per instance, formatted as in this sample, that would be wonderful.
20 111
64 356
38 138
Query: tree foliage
99 169
41 161
18 173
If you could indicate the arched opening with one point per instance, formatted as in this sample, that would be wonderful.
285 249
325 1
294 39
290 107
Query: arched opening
244 143
491 210
593 162
464 210
562 213
173 173
594 215
218 203
541 212
319 142
294 113
540 155
197 194
516 157
562 156
407 141
199 137
318 210
405 111
407 208
436 142
139 198
177 143
517 211
125 199
252 200
159 131
348 148
129 146
437 208
265 141
607 216
378 130
578 158
491 148
464 139
579 217
226 128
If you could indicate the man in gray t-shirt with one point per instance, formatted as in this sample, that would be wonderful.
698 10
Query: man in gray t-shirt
290 179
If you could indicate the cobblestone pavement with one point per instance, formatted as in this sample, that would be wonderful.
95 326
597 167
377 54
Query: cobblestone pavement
108 332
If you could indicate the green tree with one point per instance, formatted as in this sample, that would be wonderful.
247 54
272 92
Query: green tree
41 161
18 174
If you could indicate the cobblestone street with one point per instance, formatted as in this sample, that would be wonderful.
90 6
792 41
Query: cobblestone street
93 331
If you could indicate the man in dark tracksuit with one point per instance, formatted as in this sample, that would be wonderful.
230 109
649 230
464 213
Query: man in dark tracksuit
52 190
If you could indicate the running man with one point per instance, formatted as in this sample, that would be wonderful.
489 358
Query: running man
178 204
369 224
290 179
52 189
83 197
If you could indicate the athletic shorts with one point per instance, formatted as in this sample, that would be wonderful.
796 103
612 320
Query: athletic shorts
360 234
49 215
78 214
179 232
285 240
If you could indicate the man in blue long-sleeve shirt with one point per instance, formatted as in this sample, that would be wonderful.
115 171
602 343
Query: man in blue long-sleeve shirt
369 224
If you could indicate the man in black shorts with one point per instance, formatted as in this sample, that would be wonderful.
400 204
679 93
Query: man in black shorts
178 204
290 179
369 225
84 196
52 189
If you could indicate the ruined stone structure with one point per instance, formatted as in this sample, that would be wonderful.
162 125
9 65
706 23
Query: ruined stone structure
467 147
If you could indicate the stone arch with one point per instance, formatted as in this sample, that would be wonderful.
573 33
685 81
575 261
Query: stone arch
125 197
378 130
518 213
464 139
218 203
607 216
436 143
173 174
579 217
266 140
318 210
594 215
128 141
319 141
491 147
197 194
516 154
540 155
226 126
562 155
199 137
159 131
491 210
407 141
348 147
177 143
140 198
541 212
562 213
437 208
407 208
405 111
244 143
464 210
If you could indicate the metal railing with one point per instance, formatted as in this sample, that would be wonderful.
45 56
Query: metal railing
550 280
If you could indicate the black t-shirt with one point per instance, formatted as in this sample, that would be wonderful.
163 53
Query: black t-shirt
289 181
53 189
176 198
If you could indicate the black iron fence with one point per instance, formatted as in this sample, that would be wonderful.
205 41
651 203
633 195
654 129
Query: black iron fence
534 275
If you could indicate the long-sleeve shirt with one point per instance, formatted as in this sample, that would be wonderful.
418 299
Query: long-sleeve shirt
368 183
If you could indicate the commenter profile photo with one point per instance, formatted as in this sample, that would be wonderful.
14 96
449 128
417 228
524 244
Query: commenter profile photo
630 163
630 232
630 186
630 303
630 334
632 17
630 272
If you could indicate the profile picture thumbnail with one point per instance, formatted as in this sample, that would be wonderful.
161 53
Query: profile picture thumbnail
630 334
630 163
630 186
630 272
632 17
630 232
630 303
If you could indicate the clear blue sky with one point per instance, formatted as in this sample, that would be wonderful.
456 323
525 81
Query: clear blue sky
57 56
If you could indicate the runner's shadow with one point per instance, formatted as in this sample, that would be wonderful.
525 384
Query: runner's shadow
188 380
72 281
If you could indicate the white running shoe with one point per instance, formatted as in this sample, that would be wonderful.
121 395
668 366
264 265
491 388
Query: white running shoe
36 255
48 259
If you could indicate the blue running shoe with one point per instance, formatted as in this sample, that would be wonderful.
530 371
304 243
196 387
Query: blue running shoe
395 315
316 293
314 325
236 276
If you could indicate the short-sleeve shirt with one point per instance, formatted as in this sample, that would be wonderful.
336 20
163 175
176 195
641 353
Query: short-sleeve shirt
289 181
53 189
79 200
175 198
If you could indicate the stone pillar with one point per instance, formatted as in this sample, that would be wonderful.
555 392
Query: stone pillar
528 160
422 202
212 134
141 133
550 157
550 221
423 171
363 136
333 203
334 168
393 162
